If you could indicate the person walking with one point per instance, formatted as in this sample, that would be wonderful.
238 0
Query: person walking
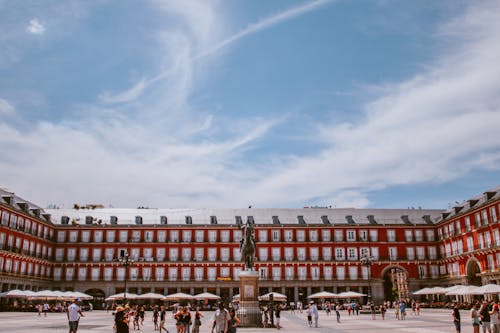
163 318
456 318
484 315
234 321
197 321
186 319
337 312
156 315
121 320
495 319
221 319
277 315
309 316
474 315
315 314
74 313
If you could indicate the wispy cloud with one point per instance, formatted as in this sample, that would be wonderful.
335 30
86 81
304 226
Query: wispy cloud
35 27
6 108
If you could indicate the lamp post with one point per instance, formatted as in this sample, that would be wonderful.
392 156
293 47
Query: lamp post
367 261
126 261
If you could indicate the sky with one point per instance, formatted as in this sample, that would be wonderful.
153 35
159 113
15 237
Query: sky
173 104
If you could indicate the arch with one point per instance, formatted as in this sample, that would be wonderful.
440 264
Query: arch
473 271
395 279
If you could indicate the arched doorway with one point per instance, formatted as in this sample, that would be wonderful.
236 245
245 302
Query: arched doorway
98 295
395 283
473 273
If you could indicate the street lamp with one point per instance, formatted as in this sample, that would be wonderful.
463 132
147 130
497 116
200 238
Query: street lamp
367 261
126 261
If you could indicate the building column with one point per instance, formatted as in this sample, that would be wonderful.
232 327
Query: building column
296 295
308 291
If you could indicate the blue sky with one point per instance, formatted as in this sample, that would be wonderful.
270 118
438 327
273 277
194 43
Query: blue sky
385 104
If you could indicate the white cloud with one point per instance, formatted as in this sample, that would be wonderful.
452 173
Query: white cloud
35 27
6 108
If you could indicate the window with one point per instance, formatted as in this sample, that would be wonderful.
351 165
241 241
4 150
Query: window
263 253
493 214
363 235
108 273
212 254
160 273
110 236
186 273
430 235
364 252
314 253
374 235
69 273
432 252
339 253
301 253
327 253
224 254
198 273
160 254
276 273
477 219
263 236
326 235
174 237
96 254
340 273
97 236
313 235
484 214
410 253
71 254
172 273
94 275
288 253
173 254
422 271
186 236
263 273
339 235
85 236
420 253
351 235
301 235
480 239
487 239
186 254
198 254
315 273
110 253
200 236
353 272
61 236
391 235
289 273
212 236
161 236
352 253
57 273
124 236
496 237
467 224
302 272
148 236
434 271
408 235
224 236
84 254
288 235
276 253
59 254
276 235
491 262
236 254
327 273
393 253
237 235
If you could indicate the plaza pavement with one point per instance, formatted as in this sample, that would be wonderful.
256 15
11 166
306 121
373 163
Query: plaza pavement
430 321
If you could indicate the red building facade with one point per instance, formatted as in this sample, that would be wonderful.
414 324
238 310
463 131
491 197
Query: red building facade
386 253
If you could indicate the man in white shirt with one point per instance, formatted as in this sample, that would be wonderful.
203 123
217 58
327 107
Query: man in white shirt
221 317
74 312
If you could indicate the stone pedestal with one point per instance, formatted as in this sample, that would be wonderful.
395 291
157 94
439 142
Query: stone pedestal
248 311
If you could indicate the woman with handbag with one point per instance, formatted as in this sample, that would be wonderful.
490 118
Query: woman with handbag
197 321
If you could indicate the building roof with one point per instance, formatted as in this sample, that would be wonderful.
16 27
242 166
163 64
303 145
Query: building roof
261 216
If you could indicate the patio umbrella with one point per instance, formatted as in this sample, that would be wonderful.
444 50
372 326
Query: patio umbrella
45 294
206 296
350 294
424 291
16 293
487 289
177 297
276 296
463 290
120 296
439 290
150 296
322 294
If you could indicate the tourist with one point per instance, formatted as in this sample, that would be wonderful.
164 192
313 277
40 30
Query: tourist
197 321
396 310
372 310
383 310
418 308
163 318
309 316
234 321
494 315
186 319
475 318
179 319
402 310
121 320
456 318
277 315
484 315
45 308
221 318
156 314
74 313
315 314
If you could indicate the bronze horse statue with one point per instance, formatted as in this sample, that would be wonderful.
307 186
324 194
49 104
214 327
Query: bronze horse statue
247 246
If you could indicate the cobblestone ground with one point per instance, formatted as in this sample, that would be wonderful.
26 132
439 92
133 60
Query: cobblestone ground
430 321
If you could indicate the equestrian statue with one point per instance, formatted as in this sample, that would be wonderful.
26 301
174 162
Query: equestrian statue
247 246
